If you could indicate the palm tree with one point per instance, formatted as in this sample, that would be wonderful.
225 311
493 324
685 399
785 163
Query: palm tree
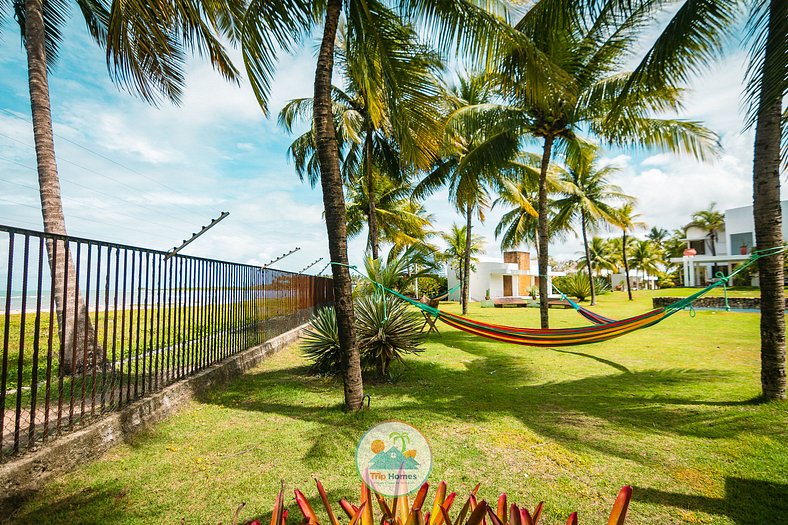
693 38
456 256
272 26
627 220
384 124
588 46
588 198
473 161
658 235
711 221
604 255
645 257
403 221
146 52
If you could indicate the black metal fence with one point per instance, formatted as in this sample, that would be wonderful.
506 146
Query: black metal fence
88 327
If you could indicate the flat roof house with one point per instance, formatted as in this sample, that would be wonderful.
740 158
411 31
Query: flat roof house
732 247
513 275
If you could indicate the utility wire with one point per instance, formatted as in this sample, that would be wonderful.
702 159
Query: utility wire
98 192
102 156
90 170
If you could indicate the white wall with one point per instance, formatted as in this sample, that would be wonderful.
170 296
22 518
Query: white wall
740 220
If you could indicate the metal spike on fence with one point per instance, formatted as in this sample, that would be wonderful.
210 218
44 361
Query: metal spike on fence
194 236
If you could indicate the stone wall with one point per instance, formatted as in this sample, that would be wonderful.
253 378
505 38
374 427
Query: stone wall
22 476
748 303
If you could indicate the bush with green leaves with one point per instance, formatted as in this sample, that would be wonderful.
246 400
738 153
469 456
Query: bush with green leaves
577 285
386 330
430 285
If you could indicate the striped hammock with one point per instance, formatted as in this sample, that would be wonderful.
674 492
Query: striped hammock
602 329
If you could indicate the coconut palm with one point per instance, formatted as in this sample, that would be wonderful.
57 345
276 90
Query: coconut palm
456 256
626 219
711 221
646 257
604 255
658 235
692 39
518 193
383 124
146 52
588 199
403 221
274 26
473 161
589 42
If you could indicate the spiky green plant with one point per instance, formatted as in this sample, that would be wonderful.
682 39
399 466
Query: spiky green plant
578 285
400 510
320 342
386 330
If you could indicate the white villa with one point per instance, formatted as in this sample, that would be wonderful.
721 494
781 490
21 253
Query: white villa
511 276
731 248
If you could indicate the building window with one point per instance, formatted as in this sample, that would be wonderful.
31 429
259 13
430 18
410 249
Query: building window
739 240
699 246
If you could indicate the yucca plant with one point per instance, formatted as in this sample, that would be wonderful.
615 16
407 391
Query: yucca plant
320 343
385 330
401 511
578 286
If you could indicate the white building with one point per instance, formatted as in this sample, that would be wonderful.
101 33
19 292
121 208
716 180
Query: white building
514 275
733 246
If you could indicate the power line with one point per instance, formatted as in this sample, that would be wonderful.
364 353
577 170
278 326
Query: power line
100 155
90 170
88 188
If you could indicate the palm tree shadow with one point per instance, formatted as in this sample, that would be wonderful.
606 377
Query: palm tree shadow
746 501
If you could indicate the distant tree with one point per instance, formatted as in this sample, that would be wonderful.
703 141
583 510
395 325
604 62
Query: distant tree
457 256
627 220
604 254
711 221
646 256
658 235
588 199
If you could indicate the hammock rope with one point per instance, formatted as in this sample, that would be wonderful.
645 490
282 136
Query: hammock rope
597 332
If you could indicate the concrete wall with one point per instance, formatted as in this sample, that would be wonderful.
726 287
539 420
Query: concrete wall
25 475
740 220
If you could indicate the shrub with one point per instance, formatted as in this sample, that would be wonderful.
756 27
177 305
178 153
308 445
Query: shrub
400 511
577 285
430 285
320 343
385 329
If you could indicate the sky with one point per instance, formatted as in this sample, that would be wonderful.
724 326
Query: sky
135 174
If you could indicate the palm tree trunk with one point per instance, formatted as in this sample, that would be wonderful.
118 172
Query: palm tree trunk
334 203
768 221
626 263
72 315
588 257
372 218
543 232
466 292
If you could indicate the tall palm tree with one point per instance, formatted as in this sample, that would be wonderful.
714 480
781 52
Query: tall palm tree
384 124
473 161
711 221
273 26
146 53
693 38
456 254
588 199
589 44
627 220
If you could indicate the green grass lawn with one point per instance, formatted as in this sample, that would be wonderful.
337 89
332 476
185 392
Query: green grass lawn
668 410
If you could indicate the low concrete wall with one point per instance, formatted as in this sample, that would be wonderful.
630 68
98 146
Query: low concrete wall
748 303
23 476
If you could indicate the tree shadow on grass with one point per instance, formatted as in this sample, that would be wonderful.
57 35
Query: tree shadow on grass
494 384
746 501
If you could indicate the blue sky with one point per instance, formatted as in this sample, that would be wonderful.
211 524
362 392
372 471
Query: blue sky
136 174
